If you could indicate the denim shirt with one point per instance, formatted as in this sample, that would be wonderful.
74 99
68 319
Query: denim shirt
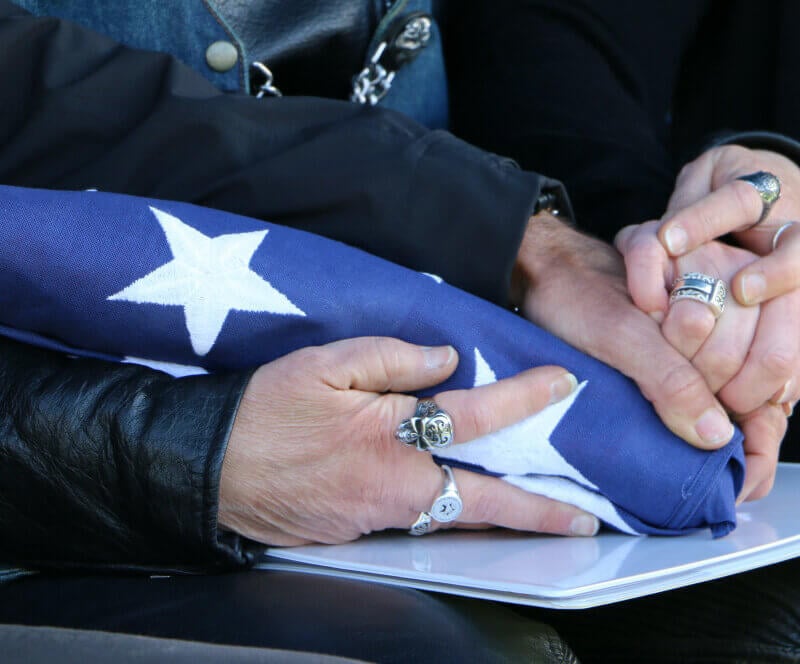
186 28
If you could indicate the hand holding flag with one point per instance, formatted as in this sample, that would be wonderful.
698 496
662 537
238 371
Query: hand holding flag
312 455
120 277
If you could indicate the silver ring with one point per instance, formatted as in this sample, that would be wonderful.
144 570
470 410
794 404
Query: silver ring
422 525
430 428
447 507
703 288
768 187
780 232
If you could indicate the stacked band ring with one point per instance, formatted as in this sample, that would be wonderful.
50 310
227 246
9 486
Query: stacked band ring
702 288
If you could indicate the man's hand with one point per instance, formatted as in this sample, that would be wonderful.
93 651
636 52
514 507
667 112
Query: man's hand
709 202
312 456
727 350
574 286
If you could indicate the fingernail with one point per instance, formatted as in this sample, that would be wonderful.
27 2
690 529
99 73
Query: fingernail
785 394
584 525
437 357
753 288
747 489
714 427
676 240
562 387
657 316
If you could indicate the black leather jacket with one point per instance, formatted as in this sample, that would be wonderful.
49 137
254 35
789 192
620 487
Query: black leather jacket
116 465
112 464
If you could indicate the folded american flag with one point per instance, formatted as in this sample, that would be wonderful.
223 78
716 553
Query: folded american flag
189 290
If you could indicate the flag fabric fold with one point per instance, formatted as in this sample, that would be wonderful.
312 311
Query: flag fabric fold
189 289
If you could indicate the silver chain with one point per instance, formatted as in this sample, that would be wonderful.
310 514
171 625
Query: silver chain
267 87
374 81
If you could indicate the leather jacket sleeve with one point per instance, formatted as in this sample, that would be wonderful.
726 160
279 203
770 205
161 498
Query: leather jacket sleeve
80 111
112 465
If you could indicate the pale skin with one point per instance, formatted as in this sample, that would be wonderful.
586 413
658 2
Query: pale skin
312 455
330 469
751 356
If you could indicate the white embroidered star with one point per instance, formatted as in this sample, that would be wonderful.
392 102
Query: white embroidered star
526 458
524 447
209 277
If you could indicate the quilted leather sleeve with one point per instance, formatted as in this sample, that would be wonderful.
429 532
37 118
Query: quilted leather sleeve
112 465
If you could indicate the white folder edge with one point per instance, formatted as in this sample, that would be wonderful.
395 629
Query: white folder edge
502 566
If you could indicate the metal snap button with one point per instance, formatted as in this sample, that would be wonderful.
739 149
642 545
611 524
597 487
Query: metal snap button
221 56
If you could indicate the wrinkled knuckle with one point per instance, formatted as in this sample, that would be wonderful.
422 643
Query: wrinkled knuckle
388 359
679 383
779 363
373 499
372 430
747 199
629 320
731 151
480 417
315 360
715 151
730 159
723 362
694 322
707 222
645 249
372 492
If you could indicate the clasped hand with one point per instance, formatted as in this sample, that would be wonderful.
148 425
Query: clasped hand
312 455
750 356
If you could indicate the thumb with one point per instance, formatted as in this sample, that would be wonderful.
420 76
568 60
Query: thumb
383 364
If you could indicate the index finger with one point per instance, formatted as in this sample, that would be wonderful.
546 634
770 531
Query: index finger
735 206
479 411
646 266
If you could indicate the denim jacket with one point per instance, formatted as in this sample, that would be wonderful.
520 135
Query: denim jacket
318 50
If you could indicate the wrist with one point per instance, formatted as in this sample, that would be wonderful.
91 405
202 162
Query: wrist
542 243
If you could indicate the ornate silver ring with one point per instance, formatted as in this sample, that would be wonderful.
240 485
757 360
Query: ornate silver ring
430 428
703 288
447 507
768 187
